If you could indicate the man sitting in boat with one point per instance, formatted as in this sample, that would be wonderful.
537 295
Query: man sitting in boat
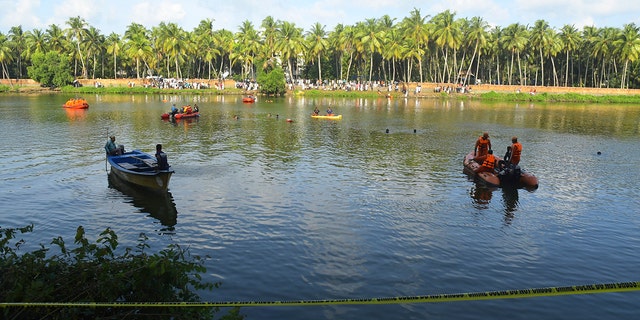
316 111
329 111
174 110
161 158
489 163
113 149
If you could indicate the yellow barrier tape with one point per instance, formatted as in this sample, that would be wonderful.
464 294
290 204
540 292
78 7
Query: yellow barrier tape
487 295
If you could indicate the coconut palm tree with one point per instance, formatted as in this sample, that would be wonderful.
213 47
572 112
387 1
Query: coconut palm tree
138 48
571 41
269 28
416 31
335 44
317 44
56 40
6 55
478 35
206 48
36 42
94 44
627 48
173 40
372 37
19 43
514 38
114 46
248 40
76 32
289 43
446 35
226 43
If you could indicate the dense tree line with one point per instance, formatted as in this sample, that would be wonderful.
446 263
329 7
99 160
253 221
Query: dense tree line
441 48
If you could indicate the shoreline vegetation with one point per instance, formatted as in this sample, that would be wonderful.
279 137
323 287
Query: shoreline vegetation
477 92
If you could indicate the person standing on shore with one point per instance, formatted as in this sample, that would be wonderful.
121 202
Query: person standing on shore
516 150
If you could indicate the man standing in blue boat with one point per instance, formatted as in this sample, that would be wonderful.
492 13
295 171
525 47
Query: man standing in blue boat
161 157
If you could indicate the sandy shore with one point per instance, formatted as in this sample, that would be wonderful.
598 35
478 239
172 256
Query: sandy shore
28 85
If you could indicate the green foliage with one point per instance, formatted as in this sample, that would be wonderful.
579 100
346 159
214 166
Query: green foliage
93 272
50 69
272 82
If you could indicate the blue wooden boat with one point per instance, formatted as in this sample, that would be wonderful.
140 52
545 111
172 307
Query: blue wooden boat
140 169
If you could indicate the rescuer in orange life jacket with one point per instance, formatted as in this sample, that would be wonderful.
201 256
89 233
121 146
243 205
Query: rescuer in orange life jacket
489 163
516 150
483 144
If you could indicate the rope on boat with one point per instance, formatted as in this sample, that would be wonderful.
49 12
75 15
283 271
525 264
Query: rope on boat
455 297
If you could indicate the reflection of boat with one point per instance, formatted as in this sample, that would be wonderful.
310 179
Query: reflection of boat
332 116
181 115
157 205
481 194
76 104
75 114
516 178
140 169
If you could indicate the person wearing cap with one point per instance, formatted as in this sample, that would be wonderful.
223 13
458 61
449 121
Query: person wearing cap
483 145
112 149
516 150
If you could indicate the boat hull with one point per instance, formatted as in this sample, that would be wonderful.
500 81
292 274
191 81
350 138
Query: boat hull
180 115
140 169
76 104
494 179
332 117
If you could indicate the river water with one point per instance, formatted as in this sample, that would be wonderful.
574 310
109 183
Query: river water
373 205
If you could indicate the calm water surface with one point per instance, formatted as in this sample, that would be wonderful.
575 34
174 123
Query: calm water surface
321 209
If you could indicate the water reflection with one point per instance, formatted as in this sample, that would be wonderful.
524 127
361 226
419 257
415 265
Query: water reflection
482 195
75 114
158 205
510 202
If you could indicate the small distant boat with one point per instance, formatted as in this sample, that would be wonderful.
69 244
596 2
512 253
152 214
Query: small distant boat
140 169
76 104
329 116
514 177
249 99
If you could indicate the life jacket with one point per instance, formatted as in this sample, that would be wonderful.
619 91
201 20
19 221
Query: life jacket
483 143
516 149
490 161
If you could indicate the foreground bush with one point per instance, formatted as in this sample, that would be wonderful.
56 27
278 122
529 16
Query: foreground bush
92 272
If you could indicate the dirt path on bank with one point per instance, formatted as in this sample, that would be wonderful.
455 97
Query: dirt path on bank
30 86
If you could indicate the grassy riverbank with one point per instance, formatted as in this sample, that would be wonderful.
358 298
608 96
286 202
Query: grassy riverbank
480 92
